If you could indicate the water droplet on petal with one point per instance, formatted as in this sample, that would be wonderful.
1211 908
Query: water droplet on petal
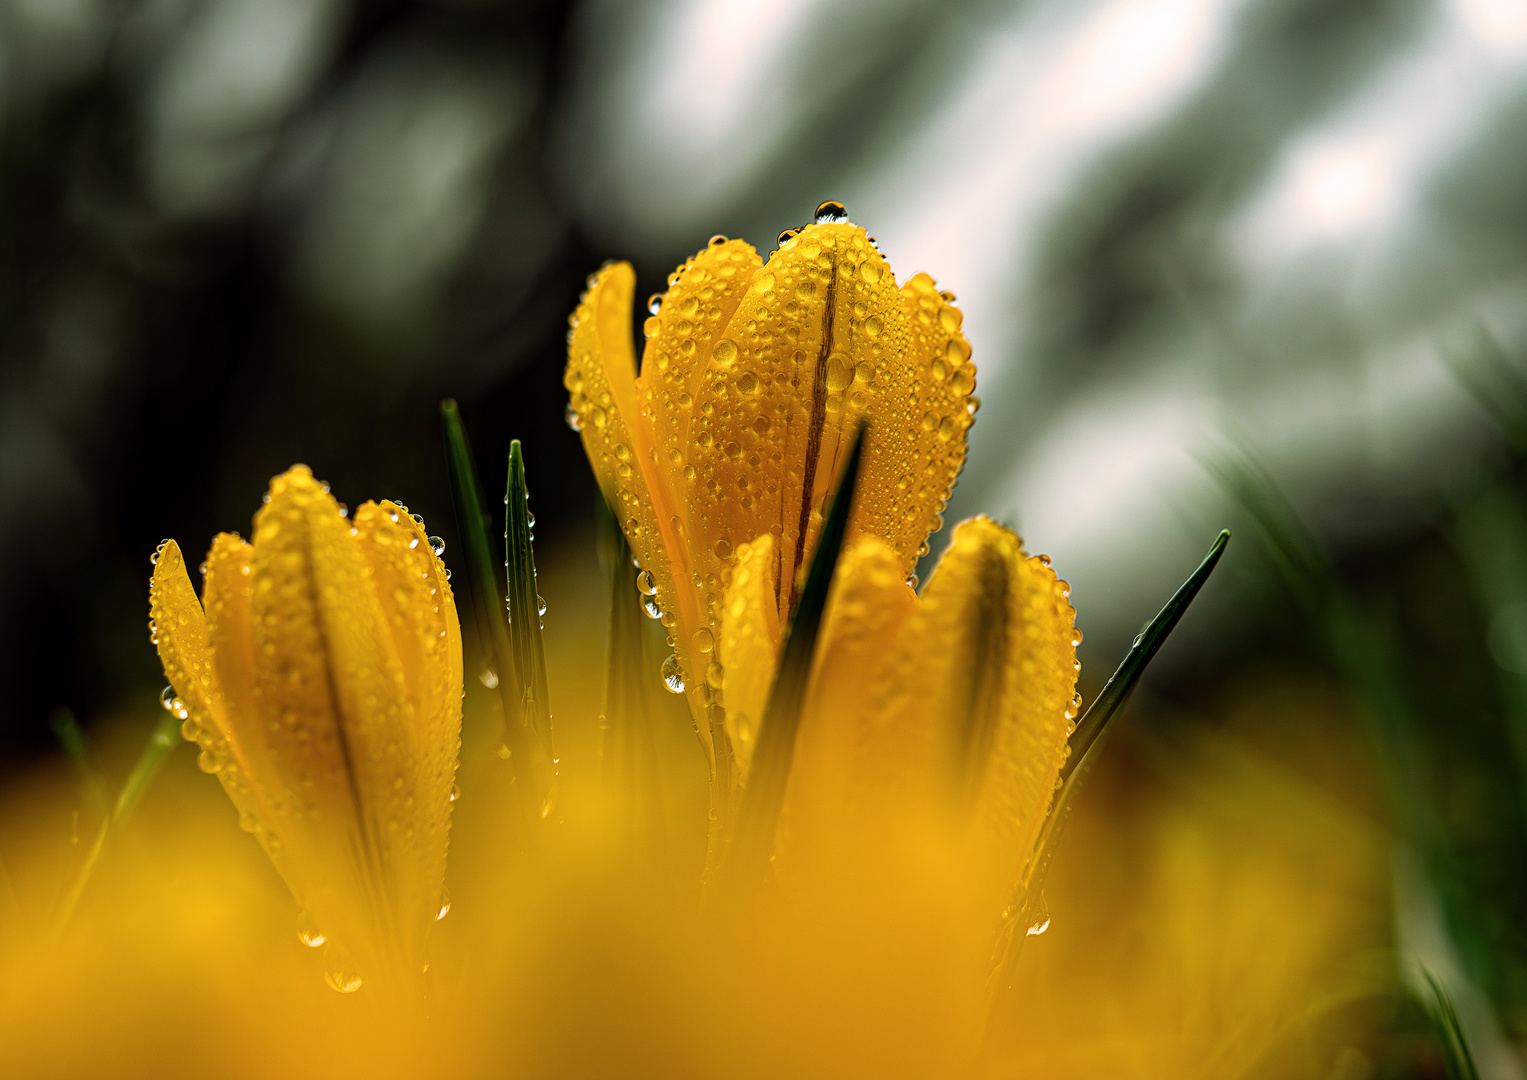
308 932
655 303
645 583
540 605
488 677
339 970
673 675
831 212
570 414
167 699
445 905
437 545
649 605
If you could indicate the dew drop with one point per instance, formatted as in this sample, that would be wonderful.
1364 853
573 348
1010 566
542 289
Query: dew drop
1039 926
540 605
308 932
437 545
725 354
167 700
655 303
207 763
455 792
445 905
703 641
649 605
763 281
570 414
717 240
831 212
339 970
488 677
673 675
645 583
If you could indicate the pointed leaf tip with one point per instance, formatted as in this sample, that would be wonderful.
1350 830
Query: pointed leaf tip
1144 649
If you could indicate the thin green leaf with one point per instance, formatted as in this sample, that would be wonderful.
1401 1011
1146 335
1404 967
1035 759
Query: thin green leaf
1497 383
628 748
764 795
67 730
1026 916
1143 650
493 630
1450 1037
161 743
524 600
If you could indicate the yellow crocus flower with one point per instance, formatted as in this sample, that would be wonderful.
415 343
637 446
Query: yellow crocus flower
948 709
320 674
753 381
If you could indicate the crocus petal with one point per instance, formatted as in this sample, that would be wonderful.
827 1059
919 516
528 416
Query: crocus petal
180 633
982 684
702 296
870 605
418 616
915 454
601 381
750 640
238 747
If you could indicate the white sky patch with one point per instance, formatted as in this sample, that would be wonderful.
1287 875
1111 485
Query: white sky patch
967 197
707 98
1359 175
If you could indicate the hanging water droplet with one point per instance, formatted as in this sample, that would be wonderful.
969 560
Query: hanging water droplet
540 605
912 581
339 970
1041 921
654 303
445 905
649 605
831 212
437 545
488 677
167 700
645 584
308 932
570 414
673 675
448 575
455 792
530 520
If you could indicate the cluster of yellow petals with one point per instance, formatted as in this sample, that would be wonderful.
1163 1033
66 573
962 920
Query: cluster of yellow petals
949 709
753 381
320 673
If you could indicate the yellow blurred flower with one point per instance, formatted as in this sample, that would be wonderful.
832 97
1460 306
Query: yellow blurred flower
320 674
950 708
753 382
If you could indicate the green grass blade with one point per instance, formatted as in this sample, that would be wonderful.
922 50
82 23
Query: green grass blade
1123 681
67 730
524 601
629 751
1450 1037
487 603
764 795
1025 913
161 743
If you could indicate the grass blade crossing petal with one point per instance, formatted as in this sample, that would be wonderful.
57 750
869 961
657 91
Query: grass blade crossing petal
764 795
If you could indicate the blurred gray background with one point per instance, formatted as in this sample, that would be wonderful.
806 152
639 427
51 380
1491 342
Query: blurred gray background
235 234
